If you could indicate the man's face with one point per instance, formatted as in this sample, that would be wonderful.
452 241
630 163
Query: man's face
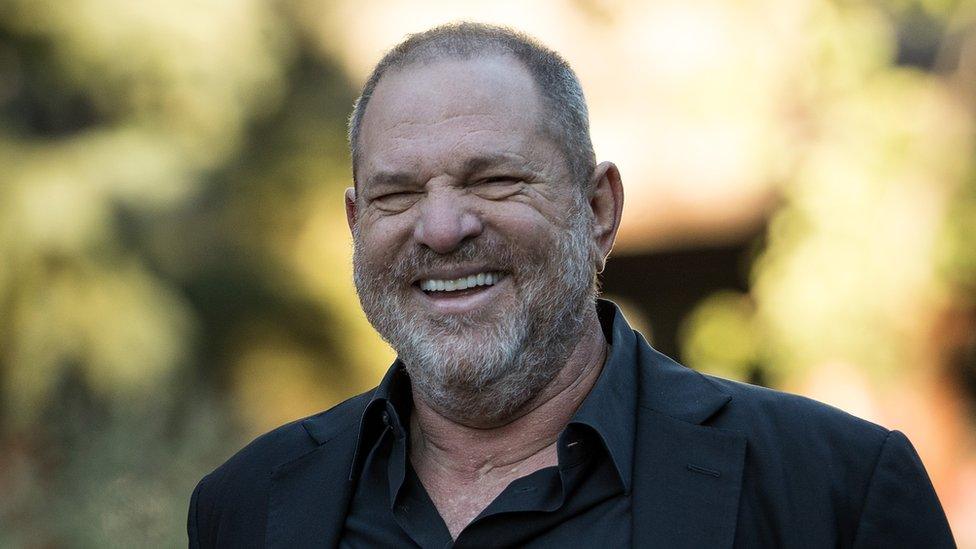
473 254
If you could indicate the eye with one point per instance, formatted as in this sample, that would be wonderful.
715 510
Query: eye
496 179
498 187
395 201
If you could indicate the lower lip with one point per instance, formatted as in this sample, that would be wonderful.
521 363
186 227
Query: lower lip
463 301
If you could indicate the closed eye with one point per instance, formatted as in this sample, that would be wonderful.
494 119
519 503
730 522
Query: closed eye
499 179
393 196
498 187
396 201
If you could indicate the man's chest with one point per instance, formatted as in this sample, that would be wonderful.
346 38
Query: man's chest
552 506
460 499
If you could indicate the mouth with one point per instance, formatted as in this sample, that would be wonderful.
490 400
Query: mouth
464 293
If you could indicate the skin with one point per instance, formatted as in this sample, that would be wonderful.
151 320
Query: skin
451 151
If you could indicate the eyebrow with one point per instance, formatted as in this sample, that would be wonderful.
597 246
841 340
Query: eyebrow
479 163
389 179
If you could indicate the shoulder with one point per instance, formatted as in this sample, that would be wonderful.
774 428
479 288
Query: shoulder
767 417
788 431
236 491
871 477
783 433
291 440
760 411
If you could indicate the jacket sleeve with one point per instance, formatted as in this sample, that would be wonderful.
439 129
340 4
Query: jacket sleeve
901 508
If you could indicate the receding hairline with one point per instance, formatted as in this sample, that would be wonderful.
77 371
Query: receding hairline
506 58
541 126
562 114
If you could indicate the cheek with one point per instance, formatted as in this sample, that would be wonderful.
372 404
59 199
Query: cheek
529 226
517 217
380 250
538 206
383 235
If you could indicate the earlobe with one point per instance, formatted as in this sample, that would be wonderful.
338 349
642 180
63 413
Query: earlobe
351 208
606 203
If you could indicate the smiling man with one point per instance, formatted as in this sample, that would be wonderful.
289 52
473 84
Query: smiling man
521 410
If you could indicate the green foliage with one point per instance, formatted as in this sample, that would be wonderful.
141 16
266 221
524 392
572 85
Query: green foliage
957 254
115 477
168 171
875 232
721 337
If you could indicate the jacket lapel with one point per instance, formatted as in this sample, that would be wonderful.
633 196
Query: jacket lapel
310 495
687 480
687 476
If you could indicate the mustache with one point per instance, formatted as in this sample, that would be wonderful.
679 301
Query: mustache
488 250
417 260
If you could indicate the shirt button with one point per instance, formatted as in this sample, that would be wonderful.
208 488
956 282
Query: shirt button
386 417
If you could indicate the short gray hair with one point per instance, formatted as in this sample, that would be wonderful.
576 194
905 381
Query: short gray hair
566 120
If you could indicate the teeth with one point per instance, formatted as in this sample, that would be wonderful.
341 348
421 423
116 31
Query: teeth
463 283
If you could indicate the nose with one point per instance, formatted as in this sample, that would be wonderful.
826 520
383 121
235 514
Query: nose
446 222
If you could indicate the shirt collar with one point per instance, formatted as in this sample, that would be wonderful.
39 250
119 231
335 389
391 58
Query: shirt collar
610 409
387 407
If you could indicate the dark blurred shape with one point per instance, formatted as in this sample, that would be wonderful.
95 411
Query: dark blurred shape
920 37
667 285
36 101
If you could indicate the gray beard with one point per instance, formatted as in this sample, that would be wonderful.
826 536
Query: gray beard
483 368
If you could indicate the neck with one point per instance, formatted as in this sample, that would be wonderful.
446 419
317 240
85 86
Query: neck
521 443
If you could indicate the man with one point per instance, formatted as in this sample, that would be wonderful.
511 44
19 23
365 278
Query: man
522 411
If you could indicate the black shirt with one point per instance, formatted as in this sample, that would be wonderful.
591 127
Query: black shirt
583 501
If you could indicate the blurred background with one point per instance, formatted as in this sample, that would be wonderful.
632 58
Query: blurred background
175 264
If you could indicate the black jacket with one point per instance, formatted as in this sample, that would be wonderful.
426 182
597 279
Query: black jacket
716 464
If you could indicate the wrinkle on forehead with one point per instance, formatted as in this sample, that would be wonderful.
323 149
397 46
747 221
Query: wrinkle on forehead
468 134
449 119
415 145
468 124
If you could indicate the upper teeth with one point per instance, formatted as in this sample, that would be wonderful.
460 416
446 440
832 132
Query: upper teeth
463 283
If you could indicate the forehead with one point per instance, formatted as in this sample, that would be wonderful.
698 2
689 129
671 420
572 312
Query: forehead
445 111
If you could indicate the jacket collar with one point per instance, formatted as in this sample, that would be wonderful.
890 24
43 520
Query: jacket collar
310 494
687 475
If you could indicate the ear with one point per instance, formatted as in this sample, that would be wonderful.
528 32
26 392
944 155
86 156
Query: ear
607 204
351 212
